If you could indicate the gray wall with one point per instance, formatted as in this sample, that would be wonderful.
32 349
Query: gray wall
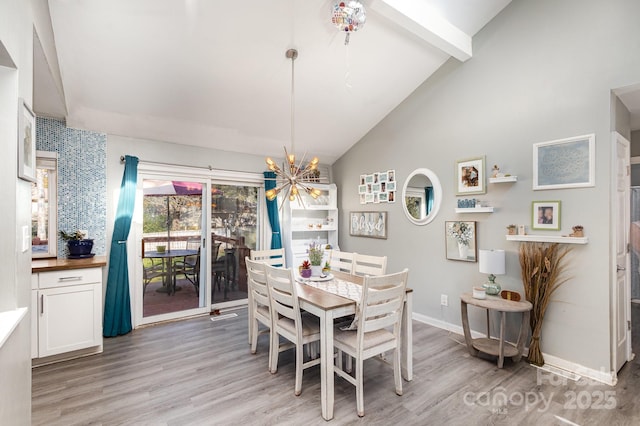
16 35
542 70
635 143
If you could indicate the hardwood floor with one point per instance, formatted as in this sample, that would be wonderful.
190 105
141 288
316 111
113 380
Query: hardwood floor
201 372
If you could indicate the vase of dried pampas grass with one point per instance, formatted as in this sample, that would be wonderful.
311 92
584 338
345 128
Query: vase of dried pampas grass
542 273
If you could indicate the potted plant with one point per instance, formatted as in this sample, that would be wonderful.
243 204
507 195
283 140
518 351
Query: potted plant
315 258
327 268
76 243
305 269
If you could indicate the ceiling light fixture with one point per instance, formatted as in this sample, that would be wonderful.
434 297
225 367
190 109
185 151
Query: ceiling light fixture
293 176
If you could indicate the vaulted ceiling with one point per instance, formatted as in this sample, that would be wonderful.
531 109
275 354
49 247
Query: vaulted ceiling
214 73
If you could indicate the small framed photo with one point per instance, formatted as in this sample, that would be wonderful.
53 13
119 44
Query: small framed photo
26 142
376 197
461 243
391 186
368 179
363 199
363 179
376 177
391 198
368 224
362 189
470 176
564 163
368 197
376 187
545 215
391 175
383 176
384 197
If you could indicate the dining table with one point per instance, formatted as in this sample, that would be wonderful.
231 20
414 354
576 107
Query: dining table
167 257
328 306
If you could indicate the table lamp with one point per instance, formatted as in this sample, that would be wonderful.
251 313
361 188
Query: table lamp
492 263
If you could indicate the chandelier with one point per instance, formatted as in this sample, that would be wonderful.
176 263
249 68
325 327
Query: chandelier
293 177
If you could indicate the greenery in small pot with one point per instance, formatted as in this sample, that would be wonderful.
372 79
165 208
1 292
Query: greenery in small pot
77 244
305 269
74 236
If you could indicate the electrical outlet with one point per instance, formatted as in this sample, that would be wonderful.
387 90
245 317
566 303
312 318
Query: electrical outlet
444 300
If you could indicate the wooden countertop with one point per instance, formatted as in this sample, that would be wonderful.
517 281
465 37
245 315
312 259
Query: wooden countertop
54 264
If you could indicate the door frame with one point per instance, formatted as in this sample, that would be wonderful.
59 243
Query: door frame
614 296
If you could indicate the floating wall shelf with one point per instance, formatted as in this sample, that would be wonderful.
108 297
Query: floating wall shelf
506 179
547 239
475 210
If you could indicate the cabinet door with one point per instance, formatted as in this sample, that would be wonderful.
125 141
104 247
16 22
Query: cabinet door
69 318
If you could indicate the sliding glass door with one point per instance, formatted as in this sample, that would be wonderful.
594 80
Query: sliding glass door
235 231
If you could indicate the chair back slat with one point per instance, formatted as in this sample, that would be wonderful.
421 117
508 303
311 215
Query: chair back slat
274 257
382 303
257 283
341 261
364 264
282 293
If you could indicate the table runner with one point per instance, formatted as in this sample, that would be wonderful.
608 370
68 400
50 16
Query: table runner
341 288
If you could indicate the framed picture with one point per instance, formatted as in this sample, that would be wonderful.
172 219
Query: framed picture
368 224
362 189
391 175
564 163
26 142
470 176
461 243
384 176
545 215
391 198
368 178
391 186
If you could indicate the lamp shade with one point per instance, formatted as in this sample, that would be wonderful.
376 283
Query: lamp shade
491 262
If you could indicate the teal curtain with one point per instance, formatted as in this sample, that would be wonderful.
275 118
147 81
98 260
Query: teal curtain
117 305
272 211
428 192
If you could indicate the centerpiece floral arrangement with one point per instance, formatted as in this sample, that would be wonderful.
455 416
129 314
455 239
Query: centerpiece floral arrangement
315 254
461 232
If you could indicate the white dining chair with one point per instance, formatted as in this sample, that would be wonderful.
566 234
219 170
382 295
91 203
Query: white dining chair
342 261
378 330
364 264
288 322
273 257
259 305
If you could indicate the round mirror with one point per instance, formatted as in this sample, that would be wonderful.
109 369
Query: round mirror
421 196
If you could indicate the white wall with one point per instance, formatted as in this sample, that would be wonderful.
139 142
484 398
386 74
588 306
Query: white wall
542 70
16 34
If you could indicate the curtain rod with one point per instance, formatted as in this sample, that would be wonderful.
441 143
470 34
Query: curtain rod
170 164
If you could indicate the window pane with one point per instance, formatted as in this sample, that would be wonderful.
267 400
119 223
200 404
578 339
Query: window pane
43 207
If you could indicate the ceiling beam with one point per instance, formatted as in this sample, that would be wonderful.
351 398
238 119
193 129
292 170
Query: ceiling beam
427 25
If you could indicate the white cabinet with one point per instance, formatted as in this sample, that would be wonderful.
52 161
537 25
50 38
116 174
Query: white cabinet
312 220
67 307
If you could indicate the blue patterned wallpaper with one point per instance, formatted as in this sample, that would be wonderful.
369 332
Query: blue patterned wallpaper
82 179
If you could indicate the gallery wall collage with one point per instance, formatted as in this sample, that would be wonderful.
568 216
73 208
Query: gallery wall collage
378 187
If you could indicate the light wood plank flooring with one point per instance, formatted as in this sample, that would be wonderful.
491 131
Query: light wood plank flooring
200 372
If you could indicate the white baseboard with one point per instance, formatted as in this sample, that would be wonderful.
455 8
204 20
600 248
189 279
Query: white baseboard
606 377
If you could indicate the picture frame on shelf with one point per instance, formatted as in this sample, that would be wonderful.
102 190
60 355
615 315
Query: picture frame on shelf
471 176
26 142
564 163
369 224
545 215
461 240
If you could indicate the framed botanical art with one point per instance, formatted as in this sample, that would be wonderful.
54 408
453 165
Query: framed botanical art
26 142
461 243
564 163
470 176
368 224
545 215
